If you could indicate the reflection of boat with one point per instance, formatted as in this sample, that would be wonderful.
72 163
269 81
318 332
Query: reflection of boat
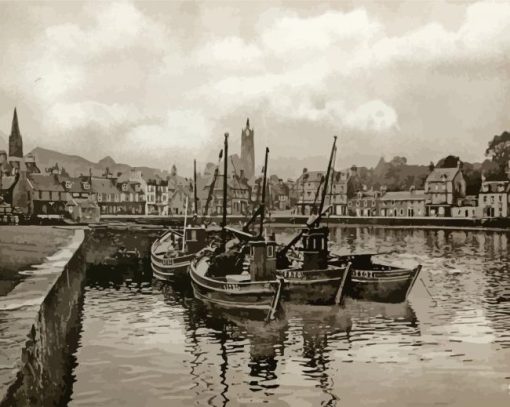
376 282
122 258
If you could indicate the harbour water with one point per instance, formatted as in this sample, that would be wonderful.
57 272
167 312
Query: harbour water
143 343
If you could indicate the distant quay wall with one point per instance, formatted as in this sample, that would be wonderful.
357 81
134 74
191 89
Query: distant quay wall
297 220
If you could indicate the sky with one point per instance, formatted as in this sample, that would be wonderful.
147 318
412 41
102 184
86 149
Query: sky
158 83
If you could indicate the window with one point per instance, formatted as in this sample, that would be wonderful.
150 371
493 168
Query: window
86 186
68 184
270 251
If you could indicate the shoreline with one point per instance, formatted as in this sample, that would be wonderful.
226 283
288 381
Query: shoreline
425 223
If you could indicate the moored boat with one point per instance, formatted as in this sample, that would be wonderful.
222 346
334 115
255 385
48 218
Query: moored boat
172 253
312 280
222 279
374 281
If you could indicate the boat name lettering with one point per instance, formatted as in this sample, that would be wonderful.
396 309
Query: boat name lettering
293 274
363 273
232 287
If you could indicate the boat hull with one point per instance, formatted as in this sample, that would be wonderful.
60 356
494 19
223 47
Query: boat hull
253 299
314 287
173 269
390 286
376 282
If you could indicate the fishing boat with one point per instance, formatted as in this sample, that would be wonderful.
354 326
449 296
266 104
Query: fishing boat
373 281
309 278
220 278
172 253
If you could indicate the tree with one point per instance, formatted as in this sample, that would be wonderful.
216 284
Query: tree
499 150
451 161
173 173
431 166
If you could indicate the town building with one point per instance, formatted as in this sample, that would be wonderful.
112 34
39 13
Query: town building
119 196
13 164
468 208
444 188
342 186
238 196
493 199
402 203
54 196
364 203
157 197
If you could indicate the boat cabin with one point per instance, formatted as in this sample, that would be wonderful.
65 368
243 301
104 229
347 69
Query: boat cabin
315 248
262 260
196 239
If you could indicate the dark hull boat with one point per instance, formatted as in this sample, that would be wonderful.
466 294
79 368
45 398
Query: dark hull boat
315 287
377 282
236 292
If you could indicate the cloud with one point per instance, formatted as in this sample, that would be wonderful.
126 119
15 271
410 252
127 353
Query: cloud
167 80
67 117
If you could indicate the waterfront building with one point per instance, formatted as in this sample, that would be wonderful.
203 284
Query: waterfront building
177 200
468 208
444 188
364 203
53 195
493 199
119 196
157 197
402 203
238 196
342 186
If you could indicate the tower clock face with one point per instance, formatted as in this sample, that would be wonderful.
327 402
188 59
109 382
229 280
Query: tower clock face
247 132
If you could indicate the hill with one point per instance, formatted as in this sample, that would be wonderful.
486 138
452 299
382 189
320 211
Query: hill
3 141
76 165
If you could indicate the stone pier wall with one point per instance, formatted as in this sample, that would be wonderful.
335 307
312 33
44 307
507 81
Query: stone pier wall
44 367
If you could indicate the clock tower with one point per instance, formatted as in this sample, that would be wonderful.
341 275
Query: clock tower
248 150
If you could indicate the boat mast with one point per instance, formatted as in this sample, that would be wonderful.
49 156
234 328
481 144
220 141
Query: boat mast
213 183
195 197
225 177
263 203
328 173
312 223
185 221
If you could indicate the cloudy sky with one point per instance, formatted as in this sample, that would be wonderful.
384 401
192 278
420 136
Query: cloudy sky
152 83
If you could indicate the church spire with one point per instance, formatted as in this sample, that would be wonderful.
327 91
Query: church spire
248 123
15 140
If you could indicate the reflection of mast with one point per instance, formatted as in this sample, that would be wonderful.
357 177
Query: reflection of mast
224 366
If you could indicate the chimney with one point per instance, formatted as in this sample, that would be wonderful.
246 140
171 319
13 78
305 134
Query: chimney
354 171
412 189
